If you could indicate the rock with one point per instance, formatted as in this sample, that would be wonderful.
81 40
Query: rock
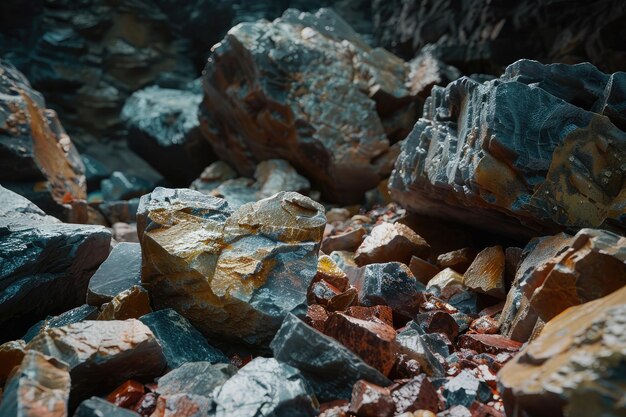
312 56
412 343
84 312
102 354
446 283
458 260
372 341
422 270
485 325
95 407
127 394
486 273
124 232
212 176
316 317
265 387
338 214
163 129
235 269
369 400
391 243
147 404
456 411
438 322
390 284
327 270
180 341
11 355
376 313
574 367
347 241
129 304
464 389
182 405
196 378
38 158
40 387
488 343
416 394
119 272
492 171
331 368
50 263
123 186
119 211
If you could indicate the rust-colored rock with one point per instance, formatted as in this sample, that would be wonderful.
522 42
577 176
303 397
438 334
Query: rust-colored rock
130 304
182 405
346 241
391 243
373 341
126 395
488 343
459 260
11 355
486 273
485 325
438 322
328 271
316 317
446 283
575 367
369 400
416 394
422 270
382 313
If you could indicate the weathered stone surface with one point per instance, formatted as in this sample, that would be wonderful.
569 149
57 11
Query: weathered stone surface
446 283
37 157
45 262
488 343
119 272
240 272
458 260
478 155
182 405
486 273
124 186
96 407
163 129
129 304
422 270
375 313
438 322
84 312
464 389
316 317
328 271
485 325
127 394
212 176
575 367
40 387
412 343
197 378
331 368
11 355
102 354
265 387
416 394
369 400
180 341
347 241
265 86
391 243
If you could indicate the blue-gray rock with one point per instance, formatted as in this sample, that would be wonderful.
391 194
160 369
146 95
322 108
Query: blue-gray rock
84 312
124 186
195 378
412 342
119 272
98 407
330 368
464 389
266 388
45 265
180 341
513 155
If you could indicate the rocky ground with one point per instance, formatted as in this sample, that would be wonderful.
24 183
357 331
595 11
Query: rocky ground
314 225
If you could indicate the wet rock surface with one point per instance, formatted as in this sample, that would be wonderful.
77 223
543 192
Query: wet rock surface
119 272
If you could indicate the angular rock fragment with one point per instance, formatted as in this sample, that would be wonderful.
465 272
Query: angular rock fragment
316 317
458 260
422 271
102 354
416 394
438 322
40 387
11 355
129 304
180 341
369 400
233 274
265 387
96 407
391 243
127 394
84 312
119 272
197 378
485 325
464 389
446 283
374 313
486 273
331 368
124 186
182 405
515 171
212 176
347 241
328 271
575 366
488 343
412 343
257 108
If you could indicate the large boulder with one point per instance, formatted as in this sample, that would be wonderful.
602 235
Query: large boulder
306 88
537 149
37 157
45 265
232 274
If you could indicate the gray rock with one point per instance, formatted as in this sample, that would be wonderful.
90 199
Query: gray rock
180 341
330 368
84 312
119 272
266 388
196 378
98 407
124 186
213 176
412 342
464 389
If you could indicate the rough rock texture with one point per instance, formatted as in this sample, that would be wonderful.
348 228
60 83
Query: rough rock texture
485 36
268 89
197 378
575 367
486 273
129 304
529 151
11 355
163 128
96 407
235 274
84 312
40 387
464 389
37 157
266 387
369 400
119 272
45 265
391 242
102 354
331 369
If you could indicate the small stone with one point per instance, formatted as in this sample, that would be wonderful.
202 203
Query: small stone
338 215
382 313
412 344
464 389
196 378
485 325
346 241
129 304
182 405
446 283
127 394
488 343
119 272
486 273
328 271
11 355
391 243
369 400
181 342
321 292
147 404
422 270
438 322
316 317
456 411
416 394
344 300
458 260
97 407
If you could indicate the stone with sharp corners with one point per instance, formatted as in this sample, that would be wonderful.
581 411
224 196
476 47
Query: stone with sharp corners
11 355
389 242
416 394
84 312
486 273
464 389
369 400
129 304
119 272
197 378
98 407
422 270
413 344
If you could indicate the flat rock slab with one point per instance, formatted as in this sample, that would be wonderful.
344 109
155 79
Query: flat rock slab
120 271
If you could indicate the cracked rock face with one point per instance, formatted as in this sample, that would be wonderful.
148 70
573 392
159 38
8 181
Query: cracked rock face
233 274
536 150
293 89
575 367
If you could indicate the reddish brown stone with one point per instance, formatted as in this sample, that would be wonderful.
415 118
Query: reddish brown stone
11 355
373 341
391 243
126 395
382 313
321 292
146 404
485 325
344 300
369 400
486 273
316 317
182 405
458 260
440 322
422 270
488 343
328 271
240 362
337 408
446 283
405 367
416 394
347 241
483 410
493 310
129 304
